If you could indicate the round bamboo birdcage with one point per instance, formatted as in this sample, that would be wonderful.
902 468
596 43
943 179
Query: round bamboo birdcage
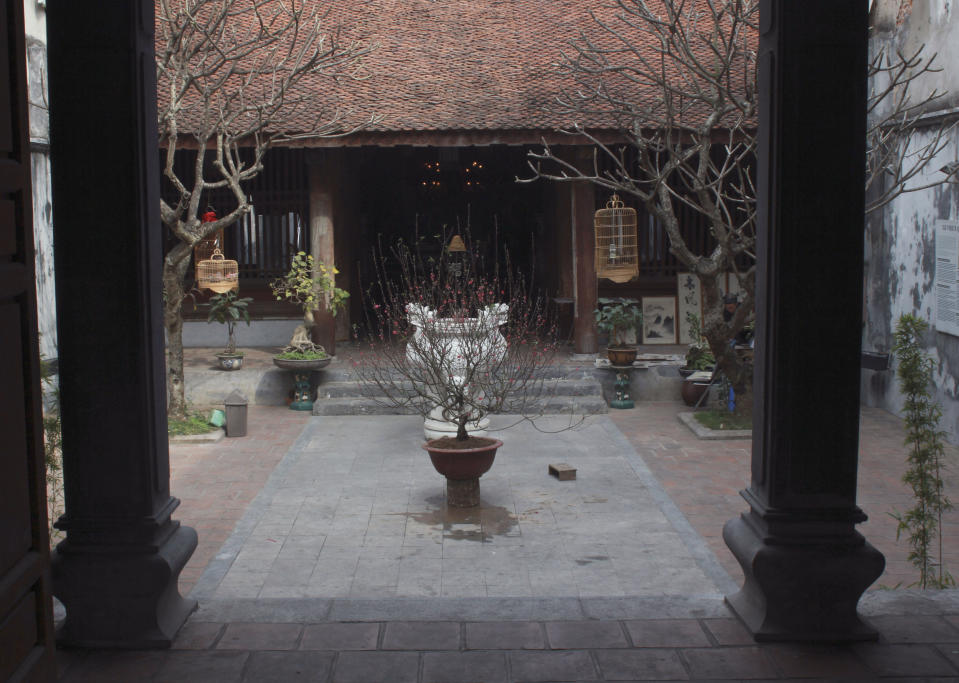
204 250
217 273
617 245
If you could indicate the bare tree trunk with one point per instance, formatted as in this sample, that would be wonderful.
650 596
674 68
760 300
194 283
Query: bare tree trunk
720 334
175 266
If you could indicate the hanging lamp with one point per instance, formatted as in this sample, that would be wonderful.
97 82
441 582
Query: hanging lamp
617 253
217 273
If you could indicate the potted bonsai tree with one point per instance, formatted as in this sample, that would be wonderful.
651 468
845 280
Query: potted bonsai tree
617 317
228 309
302 355
311 286
453 342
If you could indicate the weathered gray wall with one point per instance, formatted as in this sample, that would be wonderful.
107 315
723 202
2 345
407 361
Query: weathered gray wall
900 239
36 35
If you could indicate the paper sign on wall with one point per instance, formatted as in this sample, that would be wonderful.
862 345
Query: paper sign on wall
947 277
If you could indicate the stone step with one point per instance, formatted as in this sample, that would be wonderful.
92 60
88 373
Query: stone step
552 387
551 405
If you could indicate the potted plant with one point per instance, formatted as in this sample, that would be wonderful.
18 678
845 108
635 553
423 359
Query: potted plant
309 284
453 342
699 357
228 309
697 373
617 317
302 357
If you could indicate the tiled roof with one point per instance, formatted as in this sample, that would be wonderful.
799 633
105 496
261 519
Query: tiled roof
457 65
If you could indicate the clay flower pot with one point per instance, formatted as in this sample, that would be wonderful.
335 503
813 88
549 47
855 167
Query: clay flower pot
692 391
462 467
624 355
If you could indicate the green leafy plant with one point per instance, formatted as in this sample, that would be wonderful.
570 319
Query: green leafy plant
924 439
299 286
617 316
228 309
52 450
698 355
194 423
318 354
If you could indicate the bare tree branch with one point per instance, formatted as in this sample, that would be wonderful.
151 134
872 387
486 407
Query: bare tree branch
666 93
234 77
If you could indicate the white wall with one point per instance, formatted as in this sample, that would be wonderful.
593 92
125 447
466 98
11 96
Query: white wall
900 240
35 19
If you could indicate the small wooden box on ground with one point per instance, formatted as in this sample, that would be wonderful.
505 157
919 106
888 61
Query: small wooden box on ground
562 471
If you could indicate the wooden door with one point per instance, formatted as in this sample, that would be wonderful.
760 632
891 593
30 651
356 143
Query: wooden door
26 621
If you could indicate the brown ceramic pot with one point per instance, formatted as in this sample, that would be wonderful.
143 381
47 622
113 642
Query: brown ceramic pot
691 391
621 355
462 468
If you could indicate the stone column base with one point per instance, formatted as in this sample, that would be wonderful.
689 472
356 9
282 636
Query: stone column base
117 597
802 590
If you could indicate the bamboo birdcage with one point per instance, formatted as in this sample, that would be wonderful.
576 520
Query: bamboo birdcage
217 273
617 252
204 250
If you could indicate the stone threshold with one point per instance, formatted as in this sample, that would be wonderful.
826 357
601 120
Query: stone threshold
210 437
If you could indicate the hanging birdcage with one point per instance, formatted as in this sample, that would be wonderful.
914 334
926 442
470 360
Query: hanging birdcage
217 273
204 250
617 252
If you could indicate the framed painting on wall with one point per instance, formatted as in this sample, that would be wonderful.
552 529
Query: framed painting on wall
659 320
690 302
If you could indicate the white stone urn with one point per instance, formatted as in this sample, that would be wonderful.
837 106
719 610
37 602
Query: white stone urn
454 338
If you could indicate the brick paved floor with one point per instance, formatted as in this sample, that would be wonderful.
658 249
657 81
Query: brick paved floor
704 478
216 482
922 648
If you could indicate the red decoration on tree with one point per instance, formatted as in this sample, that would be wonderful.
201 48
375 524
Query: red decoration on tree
209 216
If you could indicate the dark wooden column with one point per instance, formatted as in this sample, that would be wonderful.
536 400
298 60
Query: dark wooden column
805 564
116 571
582 208
322 169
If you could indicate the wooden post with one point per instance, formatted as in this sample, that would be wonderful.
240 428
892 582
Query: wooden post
322 246
582 207
804 563
116 572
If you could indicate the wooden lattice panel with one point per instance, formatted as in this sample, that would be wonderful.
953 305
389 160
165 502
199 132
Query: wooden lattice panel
617 244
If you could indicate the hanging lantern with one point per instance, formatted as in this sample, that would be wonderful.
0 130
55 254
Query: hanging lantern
456 244
217 273
617 253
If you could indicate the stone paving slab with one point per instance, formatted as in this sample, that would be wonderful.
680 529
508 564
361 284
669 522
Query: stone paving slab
707 648
669 637
354 511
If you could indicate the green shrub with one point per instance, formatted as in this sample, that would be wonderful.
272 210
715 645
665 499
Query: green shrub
925 442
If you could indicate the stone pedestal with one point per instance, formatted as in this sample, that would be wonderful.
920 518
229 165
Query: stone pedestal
804 563
127 599
462 493
806 590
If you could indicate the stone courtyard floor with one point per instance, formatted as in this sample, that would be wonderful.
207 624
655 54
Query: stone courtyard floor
326 554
